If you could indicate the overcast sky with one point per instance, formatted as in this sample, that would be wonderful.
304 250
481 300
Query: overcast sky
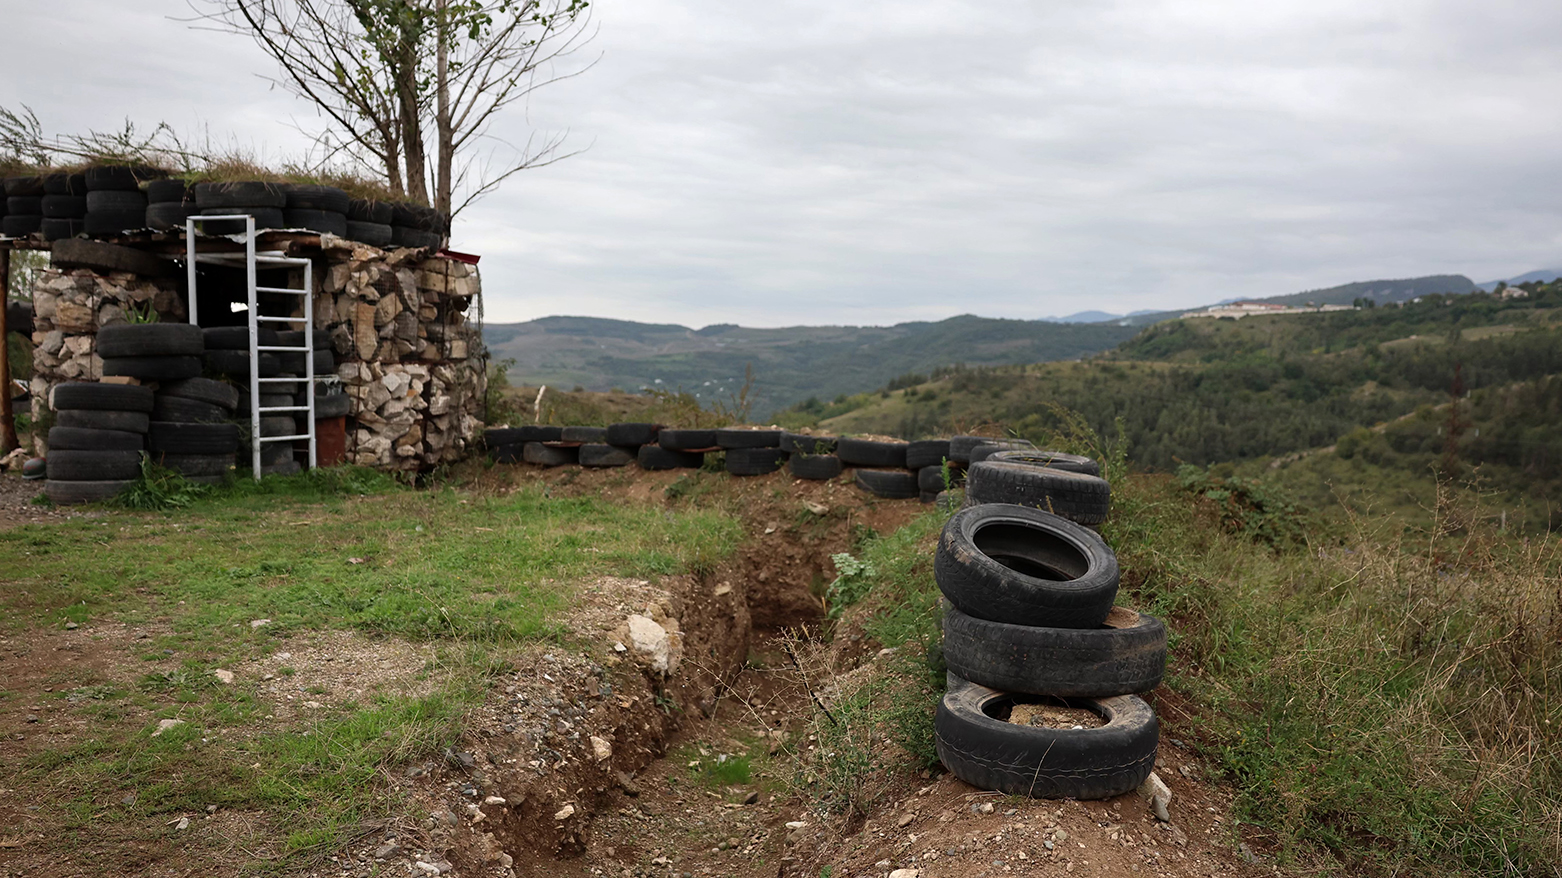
876 162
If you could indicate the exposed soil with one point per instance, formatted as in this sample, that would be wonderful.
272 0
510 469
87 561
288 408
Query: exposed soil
589 762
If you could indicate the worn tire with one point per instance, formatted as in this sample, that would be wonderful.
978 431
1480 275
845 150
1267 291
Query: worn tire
123 178
217 197
333 405
583 434
29 204
548 455
497 436
171 191
30 185
21 226
930 478
217 393
103 258
1075 496
77 493
60 229
1023 566
736 438
960 447
1073 463
373 234
236 338
188 411
59 206
1124 656
814 467
115 201
655 457
168 216
988 449
802 443
596 454
265 218
100 419
978 745
755 461
204 439
927 452
889 484
150 340
236 363
310 196
361 210
112 223
102 397
871 453
93 466
196 465
632 435
81 439
686 440
324 221
417 239
153 368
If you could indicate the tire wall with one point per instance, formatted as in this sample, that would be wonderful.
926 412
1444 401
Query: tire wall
408 358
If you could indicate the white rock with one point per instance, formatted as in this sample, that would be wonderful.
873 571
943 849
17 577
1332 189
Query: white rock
651 643
796 824
601 748
564 813
494 800
906 873
1155 791
164 725
223 676
259 623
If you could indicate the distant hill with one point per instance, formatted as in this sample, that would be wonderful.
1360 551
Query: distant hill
1544 275
1097 317
790 364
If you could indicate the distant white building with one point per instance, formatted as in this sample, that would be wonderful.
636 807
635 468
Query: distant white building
1238 310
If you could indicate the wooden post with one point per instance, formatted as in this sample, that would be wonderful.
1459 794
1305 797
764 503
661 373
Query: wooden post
7 422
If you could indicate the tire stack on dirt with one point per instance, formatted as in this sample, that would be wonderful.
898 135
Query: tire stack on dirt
64 205
192 430
23 207
115 202
678 449
1065 484
751 452
151 351
227 353
96 442
811 457
316 208
1031 633
168 204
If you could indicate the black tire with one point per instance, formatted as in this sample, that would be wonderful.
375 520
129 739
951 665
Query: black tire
361 210
928 496
150 340
320 337
188 411
19 317
29 204
583 434
733 437
1026 567
59 229
79 439
272 453
978 745
265 218
1126 655
632 435
655 457
236 363
755 461
236 338
115 201
217 393
802 443
599 455
515 435
547 455
890 484
77 493
289 467
99 419
278 425
334 405
111 223
323 221
153 368
868 452
417 239
93 466
102 397
239 197
814 467
204 439
373 234
309 196
960 446
196 465
686 440
507 453
124 178
65 184
24 186
1073 463
59 206
1075 496
21 226
268 400
930 478
416 216
168 215
926 453
170 191
988 449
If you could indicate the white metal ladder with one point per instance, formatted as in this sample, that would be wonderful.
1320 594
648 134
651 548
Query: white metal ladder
250 261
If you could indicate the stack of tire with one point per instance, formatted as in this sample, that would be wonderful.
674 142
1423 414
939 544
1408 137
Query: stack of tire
151 351
115 202
883 466
227 353
1065 484
1030 620
751 451
526 444
64 206
811 457
261 200
416 226
96 442
191 432
369 222
168 204
23 207
316 208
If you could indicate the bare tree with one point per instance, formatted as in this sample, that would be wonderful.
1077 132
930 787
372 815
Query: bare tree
412 87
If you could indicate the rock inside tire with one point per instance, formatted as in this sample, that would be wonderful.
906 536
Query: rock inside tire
1076 496
1125 656
977 744
1023 566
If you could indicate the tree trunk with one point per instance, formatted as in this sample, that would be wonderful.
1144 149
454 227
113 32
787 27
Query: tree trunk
442 111
414 158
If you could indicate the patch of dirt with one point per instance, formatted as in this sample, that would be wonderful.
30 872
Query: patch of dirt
318 669
17 507
1054 716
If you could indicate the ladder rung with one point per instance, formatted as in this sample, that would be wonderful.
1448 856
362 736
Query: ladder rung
280 319
283 408
282 347
281 380
281 290
285 438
